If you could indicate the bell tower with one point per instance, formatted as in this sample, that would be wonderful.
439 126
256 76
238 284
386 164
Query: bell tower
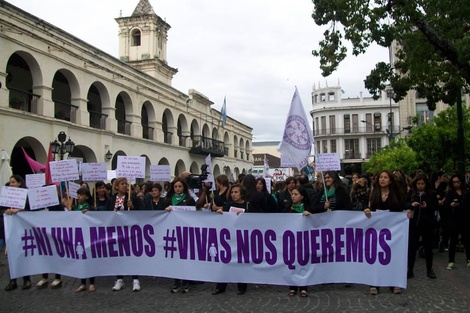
143 42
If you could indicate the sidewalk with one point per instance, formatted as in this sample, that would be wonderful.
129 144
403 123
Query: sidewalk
450 292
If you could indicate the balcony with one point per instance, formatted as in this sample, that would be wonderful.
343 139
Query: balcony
147 132
124 127
353 131
205 146
23 100
352 155
65 111
98 120
167 137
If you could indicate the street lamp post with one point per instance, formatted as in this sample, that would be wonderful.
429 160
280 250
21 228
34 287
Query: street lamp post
60 146
390 114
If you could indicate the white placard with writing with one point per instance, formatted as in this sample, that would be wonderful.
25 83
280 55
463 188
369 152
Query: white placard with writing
130 167
236 210
160 173
327 162
35 180
43 197
64 170
73 187
94 171
111 174
13 197
183 208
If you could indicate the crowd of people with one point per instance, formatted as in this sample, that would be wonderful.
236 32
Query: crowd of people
437 205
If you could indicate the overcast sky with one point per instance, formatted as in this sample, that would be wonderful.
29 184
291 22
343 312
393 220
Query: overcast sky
254 52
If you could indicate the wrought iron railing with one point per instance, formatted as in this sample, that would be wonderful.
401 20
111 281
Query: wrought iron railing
23 100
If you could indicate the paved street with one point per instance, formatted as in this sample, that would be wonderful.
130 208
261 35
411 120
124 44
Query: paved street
449 293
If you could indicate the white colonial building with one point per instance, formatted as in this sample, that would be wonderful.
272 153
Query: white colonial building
53 82
355 128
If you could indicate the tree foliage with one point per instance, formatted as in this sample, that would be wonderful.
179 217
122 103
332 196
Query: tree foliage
398 156
433 35
436 144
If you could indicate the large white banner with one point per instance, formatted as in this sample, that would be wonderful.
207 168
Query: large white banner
283 249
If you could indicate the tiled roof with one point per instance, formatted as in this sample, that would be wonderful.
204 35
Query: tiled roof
143 8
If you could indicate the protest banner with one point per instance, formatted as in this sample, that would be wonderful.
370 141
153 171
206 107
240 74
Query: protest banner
283 249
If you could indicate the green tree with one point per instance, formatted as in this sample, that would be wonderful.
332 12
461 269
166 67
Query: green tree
400 156
434 39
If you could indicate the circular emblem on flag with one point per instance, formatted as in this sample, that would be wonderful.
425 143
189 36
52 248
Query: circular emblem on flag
296 133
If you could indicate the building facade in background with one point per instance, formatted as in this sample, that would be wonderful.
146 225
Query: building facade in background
52 82
355 128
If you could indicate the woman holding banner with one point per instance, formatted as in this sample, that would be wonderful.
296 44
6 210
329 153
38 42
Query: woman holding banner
16 181
221 194
57 282
300 204
387 195
270 200
178 195
101 196
122 200
154 199
237 201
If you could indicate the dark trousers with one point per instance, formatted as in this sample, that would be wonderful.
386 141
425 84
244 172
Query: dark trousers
425 232
46 276
458 226
25 279
240 286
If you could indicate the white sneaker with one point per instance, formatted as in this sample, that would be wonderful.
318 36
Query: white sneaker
118 285
136 285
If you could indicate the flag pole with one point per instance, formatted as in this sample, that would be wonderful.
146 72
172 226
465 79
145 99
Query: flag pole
321 172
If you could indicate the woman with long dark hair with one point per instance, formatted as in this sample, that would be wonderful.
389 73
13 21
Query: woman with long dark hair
16 181
334 198
255 198
300 204
284 199
387 195
178 194
422 202
237 200
457 204
440 188
270 202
